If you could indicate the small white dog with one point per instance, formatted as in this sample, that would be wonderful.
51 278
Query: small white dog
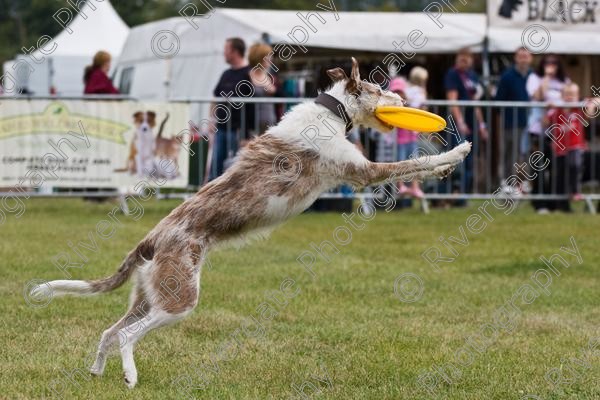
145 144
249 199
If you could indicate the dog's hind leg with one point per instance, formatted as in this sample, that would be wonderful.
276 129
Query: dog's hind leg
173 286
134 332
138 308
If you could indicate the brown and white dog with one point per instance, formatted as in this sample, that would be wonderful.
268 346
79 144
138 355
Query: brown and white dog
166 149
141 149
145 150
249 199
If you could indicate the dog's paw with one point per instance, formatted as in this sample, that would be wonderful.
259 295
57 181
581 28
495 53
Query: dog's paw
443 171
456 155
463 149
97 369
130 378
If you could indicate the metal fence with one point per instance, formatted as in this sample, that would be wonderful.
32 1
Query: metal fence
482 176
486 173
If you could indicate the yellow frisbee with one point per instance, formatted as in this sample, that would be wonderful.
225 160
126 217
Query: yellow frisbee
410 118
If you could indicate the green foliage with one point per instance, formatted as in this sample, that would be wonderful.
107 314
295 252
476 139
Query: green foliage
22 22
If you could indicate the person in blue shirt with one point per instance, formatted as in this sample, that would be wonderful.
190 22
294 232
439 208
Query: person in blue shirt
232 123
513 87
462 83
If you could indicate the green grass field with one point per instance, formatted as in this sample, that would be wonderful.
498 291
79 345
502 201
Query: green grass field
346 326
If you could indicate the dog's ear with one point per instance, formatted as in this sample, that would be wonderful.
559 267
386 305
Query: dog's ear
337 74
151 117
137 115
355 70
353 86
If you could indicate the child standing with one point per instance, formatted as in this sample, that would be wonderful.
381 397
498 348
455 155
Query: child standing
566 126
406 140
415 94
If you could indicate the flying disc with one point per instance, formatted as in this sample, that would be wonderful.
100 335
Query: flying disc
410 118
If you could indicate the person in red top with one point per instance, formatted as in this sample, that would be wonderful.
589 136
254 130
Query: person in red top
96 76
97 81
567 131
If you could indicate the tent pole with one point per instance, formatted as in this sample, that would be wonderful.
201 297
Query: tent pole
50 76
486 67
486 55
167 82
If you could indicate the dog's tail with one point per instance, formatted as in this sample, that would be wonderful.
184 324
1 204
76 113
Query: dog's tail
162 126
140 254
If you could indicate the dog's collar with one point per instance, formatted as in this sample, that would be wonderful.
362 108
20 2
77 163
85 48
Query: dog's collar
336 107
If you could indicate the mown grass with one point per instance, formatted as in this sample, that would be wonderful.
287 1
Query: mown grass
346 323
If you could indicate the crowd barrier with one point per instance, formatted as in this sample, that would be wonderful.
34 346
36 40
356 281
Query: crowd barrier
506 151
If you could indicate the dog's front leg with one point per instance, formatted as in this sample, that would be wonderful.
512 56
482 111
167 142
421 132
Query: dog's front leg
438 172
419 168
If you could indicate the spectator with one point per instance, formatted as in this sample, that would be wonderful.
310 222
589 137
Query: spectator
96 75
265 84
546 85
415 95
513 87
96 81
567 127
230 124
461 83
416 91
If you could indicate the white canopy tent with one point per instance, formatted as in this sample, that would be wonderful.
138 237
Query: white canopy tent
194 71
75 47
570 29
544 27
507 40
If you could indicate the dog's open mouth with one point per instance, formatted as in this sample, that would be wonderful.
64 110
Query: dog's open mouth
387 126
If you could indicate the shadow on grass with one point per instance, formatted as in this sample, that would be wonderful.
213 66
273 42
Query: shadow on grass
524 269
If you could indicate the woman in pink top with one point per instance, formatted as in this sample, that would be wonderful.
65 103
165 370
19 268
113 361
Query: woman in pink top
406 141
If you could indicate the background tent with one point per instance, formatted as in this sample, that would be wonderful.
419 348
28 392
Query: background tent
102 30
195 69
544 27
571 29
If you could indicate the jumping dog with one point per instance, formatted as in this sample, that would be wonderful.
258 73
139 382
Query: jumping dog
250 199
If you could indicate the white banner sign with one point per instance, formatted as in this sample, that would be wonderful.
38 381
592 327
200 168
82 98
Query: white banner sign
100 144
555 15
544 26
